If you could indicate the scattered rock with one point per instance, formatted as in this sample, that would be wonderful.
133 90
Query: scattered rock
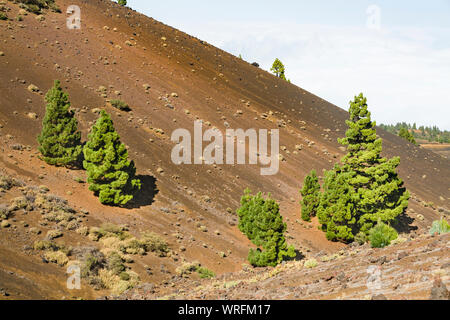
5 224
33 88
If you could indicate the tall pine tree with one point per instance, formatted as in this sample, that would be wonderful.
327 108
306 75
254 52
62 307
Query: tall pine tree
373 191
111 176
60 140
381 195
310 196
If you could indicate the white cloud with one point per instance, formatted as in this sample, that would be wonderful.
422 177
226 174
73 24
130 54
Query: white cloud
404 72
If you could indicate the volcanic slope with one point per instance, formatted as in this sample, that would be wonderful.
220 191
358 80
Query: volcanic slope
170 79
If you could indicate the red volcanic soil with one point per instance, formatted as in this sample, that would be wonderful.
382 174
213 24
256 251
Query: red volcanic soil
121 54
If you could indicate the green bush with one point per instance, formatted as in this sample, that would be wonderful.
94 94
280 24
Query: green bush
381 235
440 227
205 273
115 263
121 105
3 16
261 222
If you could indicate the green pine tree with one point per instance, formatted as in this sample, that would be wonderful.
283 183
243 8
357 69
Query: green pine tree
365 188
380 192
405 134
278 69
310 196
336 211
60 140
111 176
261 222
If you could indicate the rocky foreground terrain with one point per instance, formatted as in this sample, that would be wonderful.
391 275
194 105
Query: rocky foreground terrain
417 268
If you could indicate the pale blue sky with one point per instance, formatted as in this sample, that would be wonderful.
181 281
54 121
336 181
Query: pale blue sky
402 63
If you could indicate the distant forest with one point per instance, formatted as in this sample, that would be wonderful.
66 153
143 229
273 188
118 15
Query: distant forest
430 134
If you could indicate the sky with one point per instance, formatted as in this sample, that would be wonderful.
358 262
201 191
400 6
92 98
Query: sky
395 52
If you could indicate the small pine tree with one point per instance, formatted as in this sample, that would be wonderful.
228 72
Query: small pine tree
122 2
261 222
310 196
336 211
111 176
405 134
60 140
278 69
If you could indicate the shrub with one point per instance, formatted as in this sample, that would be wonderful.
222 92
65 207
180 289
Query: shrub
311 263
5 213
310 196
91 260
121 105
114 282
53 234
154 243
109 229
187 268
440 227
58 257
361 238
45 245
117 238
3 16
261 222
7 182
381 235
115 263
111 176
205 273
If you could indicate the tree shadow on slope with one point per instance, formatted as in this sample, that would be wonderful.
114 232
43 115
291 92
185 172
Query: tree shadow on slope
145 196
403 224
298 256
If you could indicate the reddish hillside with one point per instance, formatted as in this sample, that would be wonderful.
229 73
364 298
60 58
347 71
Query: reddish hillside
119 53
